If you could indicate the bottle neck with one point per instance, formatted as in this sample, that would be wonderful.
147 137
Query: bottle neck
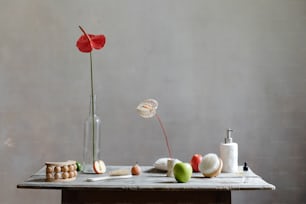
92 105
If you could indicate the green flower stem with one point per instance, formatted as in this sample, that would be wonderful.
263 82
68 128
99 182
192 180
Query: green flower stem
92 110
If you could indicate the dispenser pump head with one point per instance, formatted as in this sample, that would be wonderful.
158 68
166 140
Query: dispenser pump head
229 138
245 167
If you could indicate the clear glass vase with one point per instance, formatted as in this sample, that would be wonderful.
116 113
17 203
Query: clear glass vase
92 138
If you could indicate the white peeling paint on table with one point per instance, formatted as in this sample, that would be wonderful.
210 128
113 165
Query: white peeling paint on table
152 179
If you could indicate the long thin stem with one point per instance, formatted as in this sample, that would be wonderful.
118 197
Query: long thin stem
88 38
92 109
165 134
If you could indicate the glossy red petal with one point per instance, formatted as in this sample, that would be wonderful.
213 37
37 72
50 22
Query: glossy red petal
97 41
87 42
84 44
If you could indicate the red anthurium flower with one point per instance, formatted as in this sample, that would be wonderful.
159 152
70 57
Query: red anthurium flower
87 42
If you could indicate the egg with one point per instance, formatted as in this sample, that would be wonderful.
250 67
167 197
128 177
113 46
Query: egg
71 167
57 176
57 169
65 175
65 168
49 175
49 169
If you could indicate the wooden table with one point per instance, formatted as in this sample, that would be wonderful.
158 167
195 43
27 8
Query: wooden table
152 186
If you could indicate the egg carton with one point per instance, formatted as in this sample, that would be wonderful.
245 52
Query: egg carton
61 171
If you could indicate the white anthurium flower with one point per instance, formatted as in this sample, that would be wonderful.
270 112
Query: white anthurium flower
147 108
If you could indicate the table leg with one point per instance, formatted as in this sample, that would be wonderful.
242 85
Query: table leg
87 196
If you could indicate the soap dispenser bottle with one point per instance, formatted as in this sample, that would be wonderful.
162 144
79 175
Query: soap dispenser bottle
229 154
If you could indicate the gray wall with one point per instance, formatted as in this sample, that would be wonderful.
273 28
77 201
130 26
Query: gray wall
211 65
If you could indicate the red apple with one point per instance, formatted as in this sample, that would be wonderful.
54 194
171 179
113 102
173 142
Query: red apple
195 161
136 170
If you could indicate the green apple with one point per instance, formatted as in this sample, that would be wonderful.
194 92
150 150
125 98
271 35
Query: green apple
182 172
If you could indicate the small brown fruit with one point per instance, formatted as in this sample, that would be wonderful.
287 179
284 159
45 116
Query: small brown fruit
136 170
